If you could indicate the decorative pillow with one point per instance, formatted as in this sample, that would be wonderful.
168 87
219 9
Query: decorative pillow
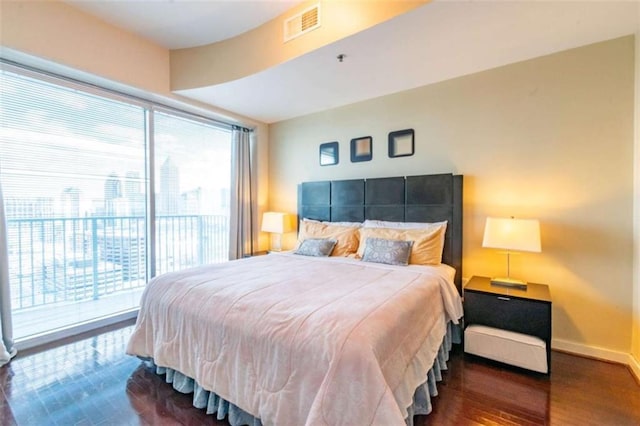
346 237
319 247
428 244
310 226
391 252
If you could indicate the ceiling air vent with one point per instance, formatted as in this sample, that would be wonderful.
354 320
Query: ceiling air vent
307 20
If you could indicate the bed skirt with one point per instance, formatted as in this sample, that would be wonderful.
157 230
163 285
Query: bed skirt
214 404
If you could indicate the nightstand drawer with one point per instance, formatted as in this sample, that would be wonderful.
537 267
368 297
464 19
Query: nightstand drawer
525 311
508 313
512 348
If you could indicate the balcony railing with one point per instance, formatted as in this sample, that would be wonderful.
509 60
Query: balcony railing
56 260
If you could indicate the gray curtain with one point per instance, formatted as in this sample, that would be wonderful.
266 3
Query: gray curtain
243 203
7 351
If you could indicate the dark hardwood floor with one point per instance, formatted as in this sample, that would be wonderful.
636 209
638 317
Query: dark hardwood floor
90 381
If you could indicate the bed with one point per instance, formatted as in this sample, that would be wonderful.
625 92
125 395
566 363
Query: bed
341 339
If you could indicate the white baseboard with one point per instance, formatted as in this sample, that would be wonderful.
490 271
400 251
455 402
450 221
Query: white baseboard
635 367
600 353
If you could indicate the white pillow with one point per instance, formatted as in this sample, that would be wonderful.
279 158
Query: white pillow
349 224
304 219
401 225
346 236
427 246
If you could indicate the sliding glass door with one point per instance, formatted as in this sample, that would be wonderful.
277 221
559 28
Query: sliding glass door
73 176
192 179
75 171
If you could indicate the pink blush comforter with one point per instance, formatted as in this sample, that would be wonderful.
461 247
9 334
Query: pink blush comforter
296 340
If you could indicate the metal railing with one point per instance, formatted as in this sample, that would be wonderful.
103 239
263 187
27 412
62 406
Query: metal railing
55 260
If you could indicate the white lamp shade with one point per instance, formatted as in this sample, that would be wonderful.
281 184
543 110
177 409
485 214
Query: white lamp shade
276 222
512 234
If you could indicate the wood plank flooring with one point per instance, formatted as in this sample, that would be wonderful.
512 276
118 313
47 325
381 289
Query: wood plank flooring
90 381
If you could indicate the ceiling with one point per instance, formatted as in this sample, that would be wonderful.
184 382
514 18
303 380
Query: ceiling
175 24
435 42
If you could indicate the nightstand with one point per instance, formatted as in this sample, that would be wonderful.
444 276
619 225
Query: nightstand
523 311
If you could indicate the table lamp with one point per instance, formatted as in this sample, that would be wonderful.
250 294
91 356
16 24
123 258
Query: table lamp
277 224
511 235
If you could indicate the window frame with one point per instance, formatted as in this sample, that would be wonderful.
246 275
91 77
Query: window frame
150 107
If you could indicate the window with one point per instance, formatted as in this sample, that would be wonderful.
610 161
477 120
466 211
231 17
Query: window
193 172
75 172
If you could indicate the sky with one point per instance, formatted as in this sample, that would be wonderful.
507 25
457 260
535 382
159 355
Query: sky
52 138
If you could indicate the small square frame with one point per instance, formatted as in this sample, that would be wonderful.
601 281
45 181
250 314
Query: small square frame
401 143
361 149
329 154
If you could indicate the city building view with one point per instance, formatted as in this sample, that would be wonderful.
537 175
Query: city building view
61 252
76 199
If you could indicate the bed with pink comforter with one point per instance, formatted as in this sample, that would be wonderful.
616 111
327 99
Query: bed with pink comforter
298 340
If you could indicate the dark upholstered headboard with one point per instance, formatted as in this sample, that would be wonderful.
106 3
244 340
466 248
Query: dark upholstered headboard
425 198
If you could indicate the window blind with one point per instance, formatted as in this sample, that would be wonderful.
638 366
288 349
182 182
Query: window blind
76 164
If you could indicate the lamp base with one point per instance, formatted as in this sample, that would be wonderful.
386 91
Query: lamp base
276 242
509 282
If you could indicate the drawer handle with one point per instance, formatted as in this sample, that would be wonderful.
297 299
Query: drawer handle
504 298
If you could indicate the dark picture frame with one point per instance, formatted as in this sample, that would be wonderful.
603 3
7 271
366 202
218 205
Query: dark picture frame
401 143
329 154
361 149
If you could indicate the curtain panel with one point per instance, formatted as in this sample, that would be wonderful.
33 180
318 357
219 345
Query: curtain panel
7 350
243 201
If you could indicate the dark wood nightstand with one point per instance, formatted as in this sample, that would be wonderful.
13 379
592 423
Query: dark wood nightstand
526 311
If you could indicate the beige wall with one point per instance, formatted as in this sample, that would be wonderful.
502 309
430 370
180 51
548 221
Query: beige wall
635 349
60 33
549 138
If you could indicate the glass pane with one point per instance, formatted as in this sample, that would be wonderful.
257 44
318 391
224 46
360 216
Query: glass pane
73 175
192 180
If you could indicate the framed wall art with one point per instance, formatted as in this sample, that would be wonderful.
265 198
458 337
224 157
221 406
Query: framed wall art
329 154
401 143
361 149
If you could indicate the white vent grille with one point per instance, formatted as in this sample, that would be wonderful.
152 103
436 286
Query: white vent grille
302 23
